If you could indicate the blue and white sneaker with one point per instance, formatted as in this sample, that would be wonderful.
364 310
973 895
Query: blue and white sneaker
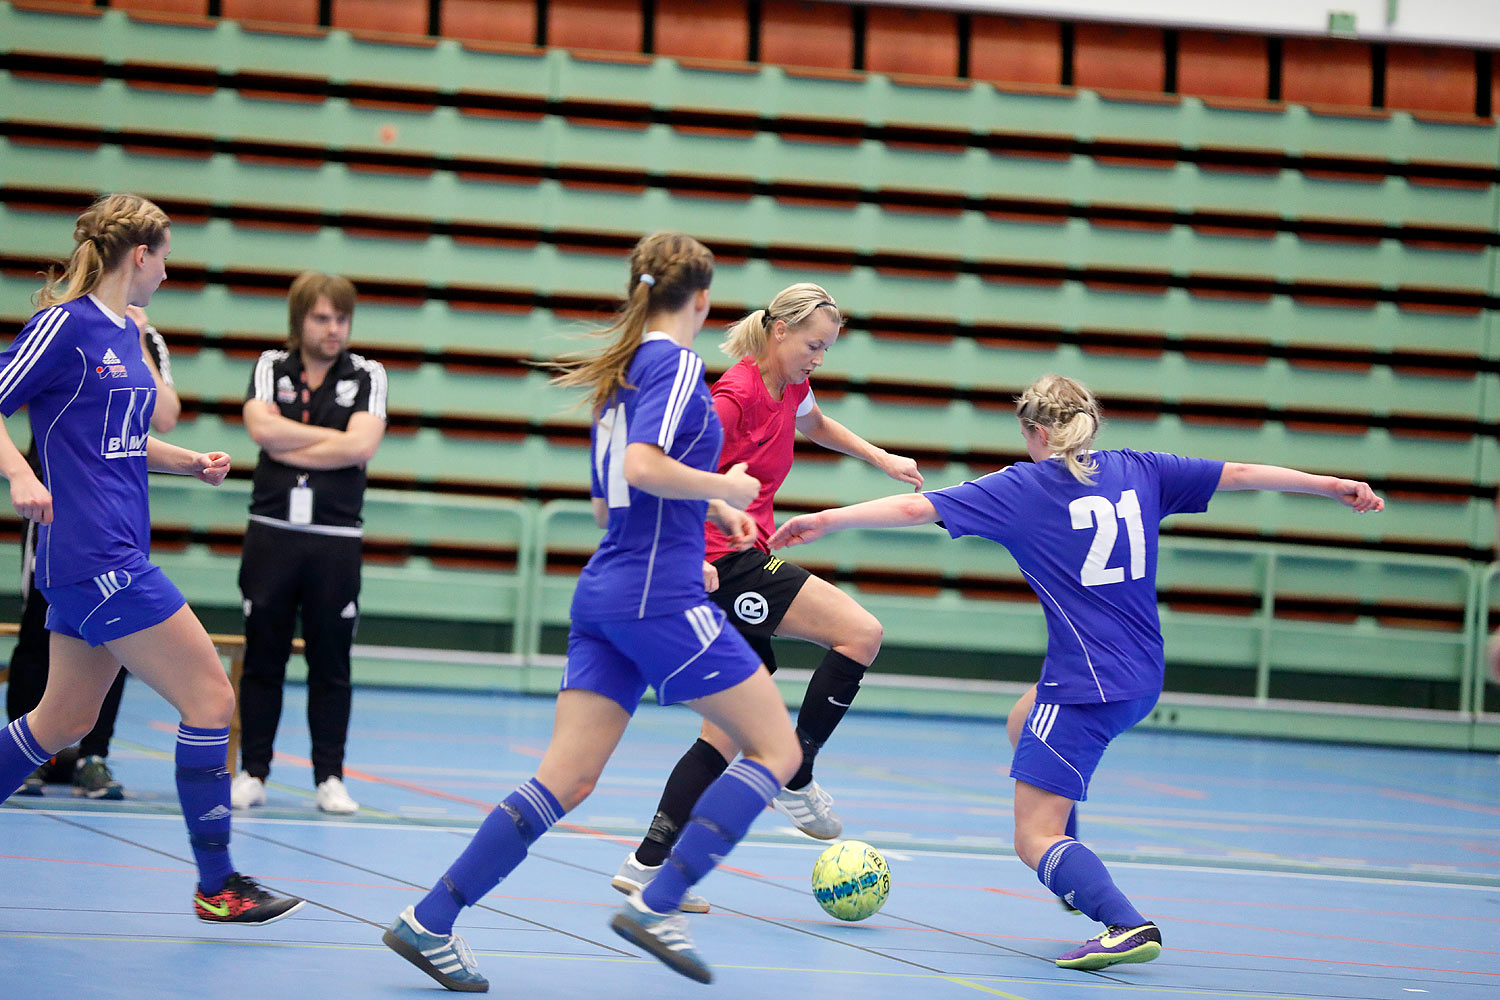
444 957
1113 947
663 935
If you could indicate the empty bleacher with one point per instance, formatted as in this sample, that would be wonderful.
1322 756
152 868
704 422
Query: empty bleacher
1271 284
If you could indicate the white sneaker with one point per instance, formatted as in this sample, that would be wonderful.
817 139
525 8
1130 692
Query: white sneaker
811 809
333 798
247 790
634 876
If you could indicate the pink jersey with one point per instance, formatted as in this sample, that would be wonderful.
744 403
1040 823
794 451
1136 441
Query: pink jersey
759 431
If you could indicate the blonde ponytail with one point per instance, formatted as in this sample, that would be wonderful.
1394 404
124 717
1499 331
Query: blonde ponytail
1070 414
666 269
103 237
794 305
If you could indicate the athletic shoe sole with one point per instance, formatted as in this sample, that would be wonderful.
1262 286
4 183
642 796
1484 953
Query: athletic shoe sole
1103 960
690 903
416 958
97 794
642 938
258 923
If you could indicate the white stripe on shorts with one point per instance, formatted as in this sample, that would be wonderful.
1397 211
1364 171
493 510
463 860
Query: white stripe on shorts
703 624
1042 718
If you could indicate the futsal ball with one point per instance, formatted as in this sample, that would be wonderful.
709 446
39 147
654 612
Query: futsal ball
850 880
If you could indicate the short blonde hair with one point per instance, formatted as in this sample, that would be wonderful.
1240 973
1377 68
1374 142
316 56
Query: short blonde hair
1070 413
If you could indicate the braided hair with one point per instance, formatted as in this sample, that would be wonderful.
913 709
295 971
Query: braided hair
103 238
1070 413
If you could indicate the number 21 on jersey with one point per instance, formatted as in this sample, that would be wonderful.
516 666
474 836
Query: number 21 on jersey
1100 514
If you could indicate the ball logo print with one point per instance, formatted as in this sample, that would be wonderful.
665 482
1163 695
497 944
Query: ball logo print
751 607
850 880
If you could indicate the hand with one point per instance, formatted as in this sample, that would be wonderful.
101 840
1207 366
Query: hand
800 530
141 322
30 498
710 577
1352 493
740 488
212 467
900 467
738 527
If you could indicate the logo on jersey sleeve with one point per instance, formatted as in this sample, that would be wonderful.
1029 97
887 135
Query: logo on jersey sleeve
285 391
127 422
110 366
344 391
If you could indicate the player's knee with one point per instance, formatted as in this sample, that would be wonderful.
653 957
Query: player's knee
862 642
212 707
571 792
1028 848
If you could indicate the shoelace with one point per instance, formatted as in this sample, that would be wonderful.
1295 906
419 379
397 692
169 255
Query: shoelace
463 954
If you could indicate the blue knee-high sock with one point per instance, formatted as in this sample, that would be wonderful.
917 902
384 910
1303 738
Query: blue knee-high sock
203 790
497 848
1071 829
20 754
1075 873
721 817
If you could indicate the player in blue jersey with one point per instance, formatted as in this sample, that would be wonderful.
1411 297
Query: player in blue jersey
1082 525
77 366
640 616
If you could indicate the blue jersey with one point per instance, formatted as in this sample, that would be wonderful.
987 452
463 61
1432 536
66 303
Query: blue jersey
651 559
78 368
1089 552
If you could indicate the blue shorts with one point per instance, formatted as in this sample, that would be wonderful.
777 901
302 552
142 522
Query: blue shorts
686 655
113 605
1060 745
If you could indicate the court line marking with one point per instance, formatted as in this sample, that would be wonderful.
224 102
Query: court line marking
874 952
1214 866
1156 989
1437 800
984 989
479 905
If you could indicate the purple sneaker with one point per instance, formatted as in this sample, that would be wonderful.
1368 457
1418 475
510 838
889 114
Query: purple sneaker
1115 946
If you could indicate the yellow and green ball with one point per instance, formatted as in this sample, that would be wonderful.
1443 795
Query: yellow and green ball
850 880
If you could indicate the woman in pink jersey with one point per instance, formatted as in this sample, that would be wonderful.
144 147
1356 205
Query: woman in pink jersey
763 401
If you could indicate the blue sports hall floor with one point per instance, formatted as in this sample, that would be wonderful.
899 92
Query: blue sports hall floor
1274 869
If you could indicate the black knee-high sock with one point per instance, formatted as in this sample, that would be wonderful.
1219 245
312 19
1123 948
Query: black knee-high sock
829 695
697 769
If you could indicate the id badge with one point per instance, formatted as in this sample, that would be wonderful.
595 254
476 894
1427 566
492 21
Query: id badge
300 505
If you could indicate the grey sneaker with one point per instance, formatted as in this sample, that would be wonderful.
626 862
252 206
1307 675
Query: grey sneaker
634 876
34 783
663 935
444 957
93 780
811 809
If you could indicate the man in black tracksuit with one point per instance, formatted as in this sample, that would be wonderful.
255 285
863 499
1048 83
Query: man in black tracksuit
318 414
